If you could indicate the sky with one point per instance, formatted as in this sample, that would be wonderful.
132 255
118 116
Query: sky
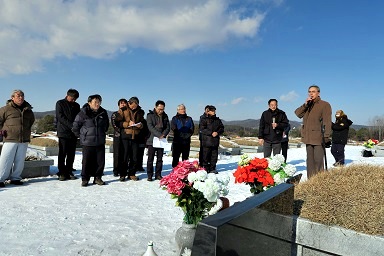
46 216
235 55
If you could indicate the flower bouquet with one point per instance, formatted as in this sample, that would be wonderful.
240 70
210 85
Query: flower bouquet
370 143
263 173
196 192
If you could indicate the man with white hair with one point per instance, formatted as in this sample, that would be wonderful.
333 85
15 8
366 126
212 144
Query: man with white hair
16 120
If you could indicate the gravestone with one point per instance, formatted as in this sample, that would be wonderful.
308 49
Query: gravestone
234 231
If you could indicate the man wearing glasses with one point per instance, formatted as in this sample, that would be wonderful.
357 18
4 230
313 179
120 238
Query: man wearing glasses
317 122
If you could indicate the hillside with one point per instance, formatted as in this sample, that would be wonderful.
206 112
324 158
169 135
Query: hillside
247 123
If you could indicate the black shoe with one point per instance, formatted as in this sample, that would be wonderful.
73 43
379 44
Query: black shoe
72 177
214 171
159 177
17 182
99 181
133 177
149 179
62 178
2 185
122 178
84 183
116 175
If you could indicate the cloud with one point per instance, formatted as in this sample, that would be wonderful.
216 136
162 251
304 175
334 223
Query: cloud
289 97
32 32
237 100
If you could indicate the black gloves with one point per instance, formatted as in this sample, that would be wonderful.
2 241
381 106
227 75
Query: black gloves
327 143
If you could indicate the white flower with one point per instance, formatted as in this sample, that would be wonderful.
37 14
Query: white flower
187 252
289 169
278 179
212 187
274 164
192 177
201 175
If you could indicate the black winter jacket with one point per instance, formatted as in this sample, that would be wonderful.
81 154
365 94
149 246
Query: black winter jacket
208 125
157 125
65 115
340 130
266 131
91 126
183 128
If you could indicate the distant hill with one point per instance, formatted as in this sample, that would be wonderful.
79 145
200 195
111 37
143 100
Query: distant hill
247 123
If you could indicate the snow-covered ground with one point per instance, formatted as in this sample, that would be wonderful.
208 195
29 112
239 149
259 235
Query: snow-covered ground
50 217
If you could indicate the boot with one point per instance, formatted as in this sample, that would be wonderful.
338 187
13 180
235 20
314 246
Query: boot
98 181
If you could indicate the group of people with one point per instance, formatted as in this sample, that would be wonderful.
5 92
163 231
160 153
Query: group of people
133 133
317 131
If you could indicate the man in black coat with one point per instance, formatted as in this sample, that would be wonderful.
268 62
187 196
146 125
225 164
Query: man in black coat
273 121
66 111
211 128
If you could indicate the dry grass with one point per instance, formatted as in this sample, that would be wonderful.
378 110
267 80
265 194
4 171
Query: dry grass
247 142
351 197
44 142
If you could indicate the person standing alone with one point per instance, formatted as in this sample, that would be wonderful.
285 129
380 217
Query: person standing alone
16 120
66 111
315 113
340 129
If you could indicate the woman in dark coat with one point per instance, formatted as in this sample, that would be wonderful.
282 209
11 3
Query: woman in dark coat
340 129
91 125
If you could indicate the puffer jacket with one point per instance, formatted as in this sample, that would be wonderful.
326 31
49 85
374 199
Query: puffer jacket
125 116
91 126
311 129
65 115
208 125
340 130
183 127
157 125
266 130
17 121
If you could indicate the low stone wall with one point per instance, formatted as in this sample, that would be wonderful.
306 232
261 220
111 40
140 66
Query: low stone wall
38 168
262 225
54 151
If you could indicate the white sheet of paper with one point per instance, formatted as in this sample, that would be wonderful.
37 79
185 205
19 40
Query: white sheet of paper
160 143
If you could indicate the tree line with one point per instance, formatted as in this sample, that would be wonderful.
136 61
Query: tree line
47 123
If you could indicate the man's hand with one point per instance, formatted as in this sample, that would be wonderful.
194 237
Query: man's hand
261 142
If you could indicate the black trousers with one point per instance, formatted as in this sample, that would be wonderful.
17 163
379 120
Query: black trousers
210 155
284 150
66 157
93 162
131 148
337 150
140 156
118 155
180 149
159 161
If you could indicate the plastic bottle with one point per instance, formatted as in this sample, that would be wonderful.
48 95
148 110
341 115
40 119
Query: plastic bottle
150 251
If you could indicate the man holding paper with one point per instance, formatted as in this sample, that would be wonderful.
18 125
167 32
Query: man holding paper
158 126
131 122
